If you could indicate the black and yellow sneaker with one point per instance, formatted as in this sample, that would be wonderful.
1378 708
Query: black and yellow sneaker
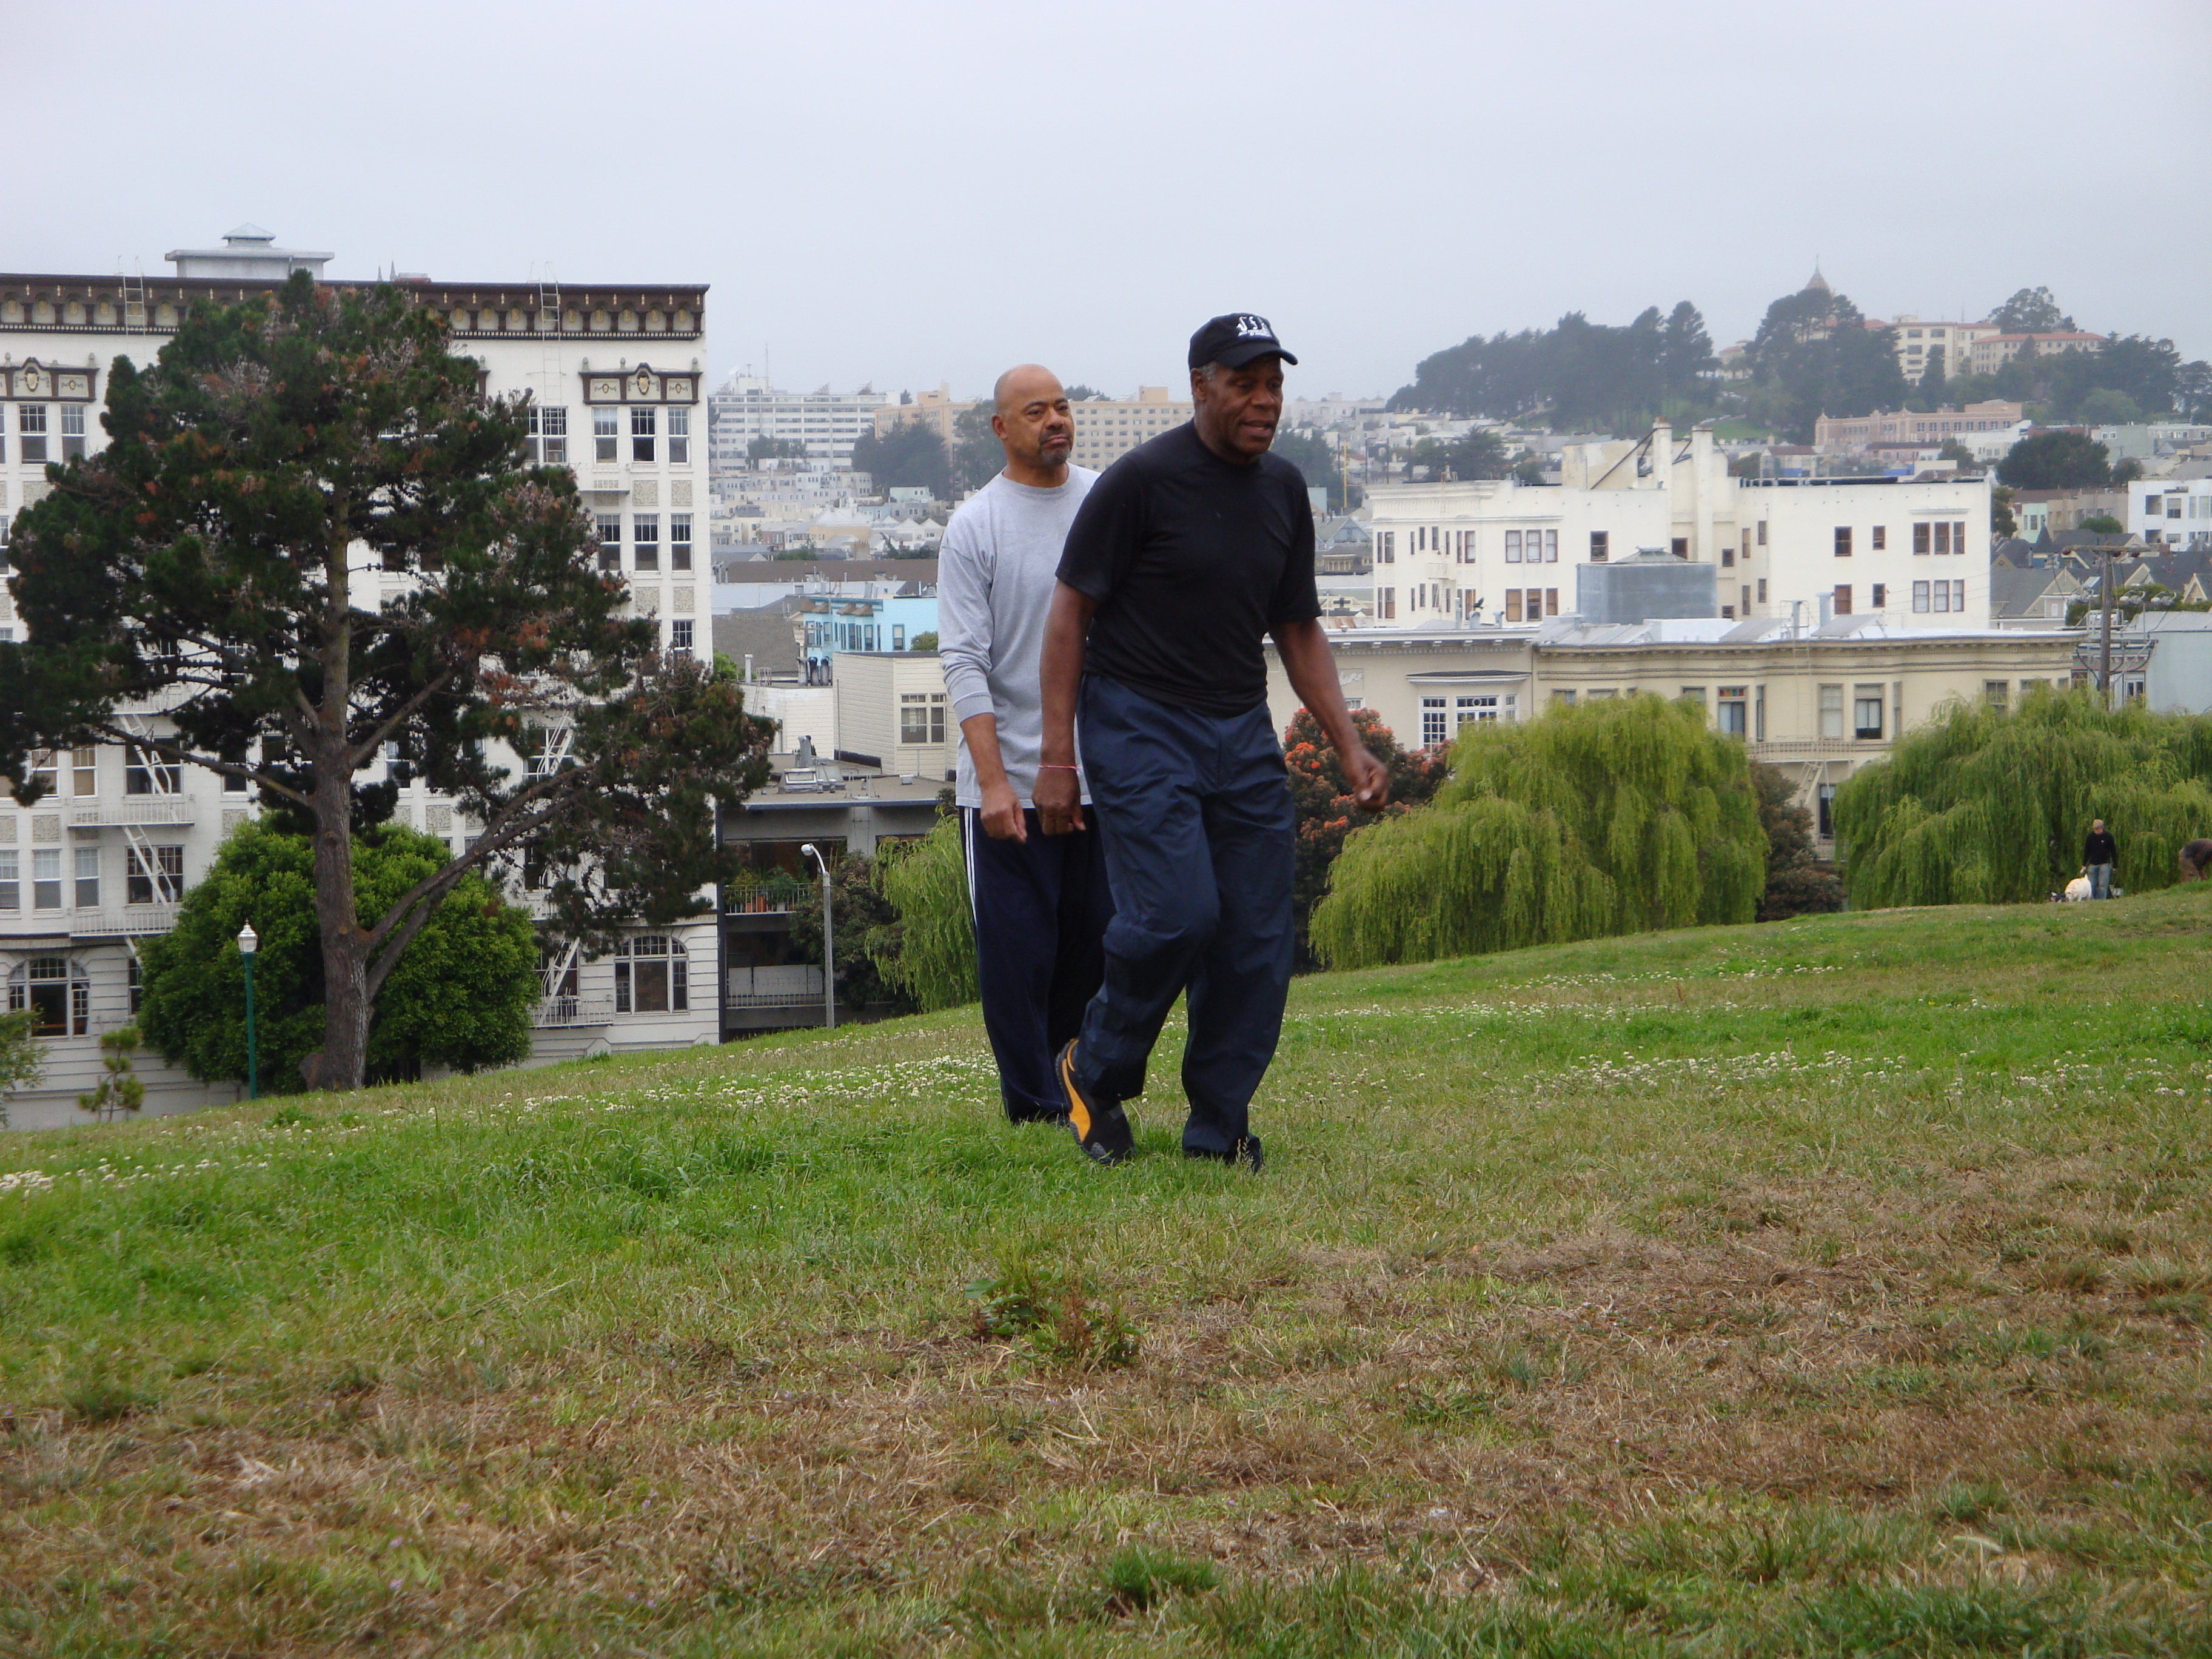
1100 1127
1244 1154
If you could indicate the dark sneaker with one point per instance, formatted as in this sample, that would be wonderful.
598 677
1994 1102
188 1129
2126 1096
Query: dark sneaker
1031 1111
1245 1154
1100 1127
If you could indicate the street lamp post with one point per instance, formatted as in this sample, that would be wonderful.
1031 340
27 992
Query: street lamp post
828 950
248 941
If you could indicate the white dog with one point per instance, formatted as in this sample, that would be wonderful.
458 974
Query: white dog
2077 890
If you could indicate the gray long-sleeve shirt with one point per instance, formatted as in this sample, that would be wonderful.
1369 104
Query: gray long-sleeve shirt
995 572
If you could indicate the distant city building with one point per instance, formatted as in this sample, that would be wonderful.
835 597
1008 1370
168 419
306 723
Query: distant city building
1915 552
1106 429
1992 351
2176 512
1919 341
1833 433
826 423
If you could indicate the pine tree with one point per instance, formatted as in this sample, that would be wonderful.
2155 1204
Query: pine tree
226 558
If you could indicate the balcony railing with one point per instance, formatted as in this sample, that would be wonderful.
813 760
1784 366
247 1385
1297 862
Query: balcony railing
130 922
556 1012
773 894
135 809
799 985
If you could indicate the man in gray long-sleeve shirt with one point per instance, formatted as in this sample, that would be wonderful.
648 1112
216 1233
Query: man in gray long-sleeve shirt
1040 902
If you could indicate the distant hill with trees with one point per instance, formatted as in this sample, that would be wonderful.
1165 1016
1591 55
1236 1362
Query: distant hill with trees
1813 353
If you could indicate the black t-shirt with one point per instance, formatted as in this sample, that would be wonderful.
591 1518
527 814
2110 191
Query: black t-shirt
1192 560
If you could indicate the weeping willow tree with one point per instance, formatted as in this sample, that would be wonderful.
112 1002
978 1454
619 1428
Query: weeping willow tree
926 883
1981 807
1617 817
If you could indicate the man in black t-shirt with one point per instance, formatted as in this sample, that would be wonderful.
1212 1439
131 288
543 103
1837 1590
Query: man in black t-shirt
1189 552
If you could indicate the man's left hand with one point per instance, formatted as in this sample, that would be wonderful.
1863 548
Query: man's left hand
1369 777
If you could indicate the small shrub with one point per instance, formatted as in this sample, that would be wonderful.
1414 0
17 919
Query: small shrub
1055 1316
1138 1578
104 1400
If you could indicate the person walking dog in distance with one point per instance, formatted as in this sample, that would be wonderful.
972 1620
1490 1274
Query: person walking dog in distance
1039 904
1189 552
2098 854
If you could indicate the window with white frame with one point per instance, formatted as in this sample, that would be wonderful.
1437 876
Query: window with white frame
679 436
1832 711
46 878
679 541
608 528
1600 546
606 434
549 435
1921 600
1730 708
12 880
645 540
153 875
1512 547
1434 715
84 770
1551 547
653 975
72 431
148 773
1475 708
31 428
641 425
922 718
59 990
86 897
679 637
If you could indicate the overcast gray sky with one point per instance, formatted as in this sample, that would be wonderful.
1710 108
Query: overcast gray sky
906 193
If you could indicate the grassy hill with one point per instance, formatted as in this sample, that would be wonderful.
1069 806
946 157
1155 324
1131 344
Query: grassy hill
1837 1286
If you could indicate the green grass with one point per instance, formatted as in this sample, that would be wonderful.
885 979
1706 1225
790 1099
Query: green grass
1838 1287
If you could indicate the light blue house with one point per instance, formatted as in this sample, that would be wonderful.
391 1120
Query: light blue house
886 618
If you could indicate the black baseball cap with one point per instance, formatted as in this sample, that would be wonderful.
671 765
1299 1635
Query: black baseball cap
1235 340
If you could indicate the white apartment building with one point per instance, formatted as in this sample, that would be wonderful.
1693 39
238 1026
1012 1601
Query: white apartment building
1914 553
1106 429
828 424
1918 341
616 373
2176 512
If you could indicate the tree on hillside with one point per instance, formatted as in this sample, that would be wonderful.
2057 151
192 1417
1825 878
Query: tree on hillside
866 935
1080 393
765 448
1322 797
1578 372
1616 817
1813 355
313 542
1982 807
910 456
2056 461
2031 311
461 997
978 457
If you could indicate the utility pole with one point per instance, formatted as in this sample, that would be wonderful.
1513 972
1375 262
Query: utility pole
829 945
2104 645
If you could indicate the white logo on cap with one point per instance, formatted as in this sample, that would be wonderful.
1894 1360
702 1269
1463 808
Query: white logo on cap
1250 327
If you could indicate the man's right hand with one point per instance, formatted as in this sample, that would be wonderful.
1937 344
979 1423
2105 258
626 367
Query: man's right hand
1001 813
1058 800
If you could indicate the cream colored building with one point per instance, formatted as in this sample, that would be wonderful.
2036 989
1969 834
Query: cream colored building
1818 703
616 373
1498 551
892 713
1918 341
1106 429
1993 351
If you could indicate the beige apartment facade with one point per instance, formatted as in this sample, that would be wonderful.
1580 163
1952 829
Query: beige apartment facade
1992 351
1832 433
1918 341
1106 429
614 373
892 713
1817 702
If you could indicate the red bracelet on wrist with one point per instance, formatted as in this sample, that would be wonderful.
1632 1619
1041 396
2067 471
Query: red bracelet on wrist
1056 766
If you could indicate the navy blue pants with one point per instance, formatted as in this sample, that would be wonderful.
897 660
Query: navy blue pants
1199 844
1040 908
